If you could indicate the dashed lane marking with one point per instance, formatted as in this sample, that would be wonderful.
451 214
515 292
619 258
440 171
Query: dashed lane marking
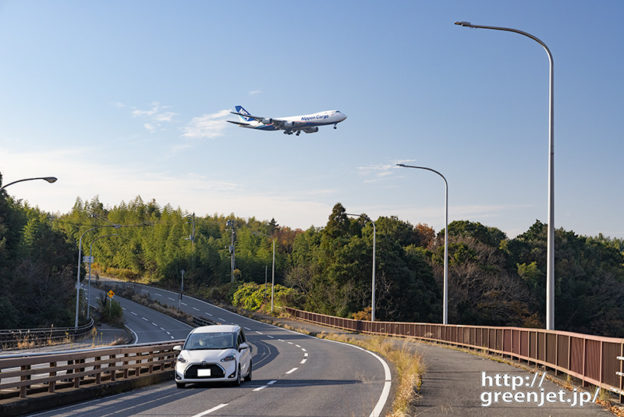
203 413
291 371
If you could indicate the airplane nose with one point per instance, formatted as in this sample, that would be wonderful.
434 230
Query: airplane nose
344 116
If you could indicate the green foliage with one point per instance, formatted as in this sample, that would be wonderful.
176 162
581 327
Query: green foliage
110 311
492 279
252 296
36 268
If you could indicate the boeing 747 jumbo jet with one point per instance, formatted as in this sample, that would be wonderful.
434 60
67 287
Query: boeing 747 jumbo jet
308 123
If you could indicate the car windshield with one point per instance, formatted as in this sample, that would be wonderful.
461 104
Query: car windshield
198 341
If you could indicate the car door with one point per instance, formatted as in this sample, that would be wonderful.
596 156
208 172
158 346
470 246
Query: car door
245 354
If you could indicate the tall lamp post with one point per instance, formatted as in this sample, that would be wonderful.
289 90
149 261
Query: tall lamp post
272 268
373 283
550 257
48 179
90 262
116 226
445 289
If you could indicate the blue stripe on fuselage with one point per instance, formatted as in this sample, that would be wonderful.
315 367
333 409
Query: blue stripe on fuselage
266 127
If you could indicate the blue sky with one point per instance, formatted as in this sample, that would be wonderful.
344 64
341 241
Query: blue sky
119 99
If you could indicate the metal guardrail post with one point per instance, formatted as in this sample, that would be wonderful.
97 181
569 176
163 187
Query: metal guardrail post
621 373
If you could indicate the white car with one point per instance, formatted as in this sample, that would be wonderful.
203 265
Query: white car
213 354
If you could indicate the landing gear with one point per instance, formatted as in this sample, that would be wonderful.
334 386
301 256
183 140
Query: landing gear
298 132
335 126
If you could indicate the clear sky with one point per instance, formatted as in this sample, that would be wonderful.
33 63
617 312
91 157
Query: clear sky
126 98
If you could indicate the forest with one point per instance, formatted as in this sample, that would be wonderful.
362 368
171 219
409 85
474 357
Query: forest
493 280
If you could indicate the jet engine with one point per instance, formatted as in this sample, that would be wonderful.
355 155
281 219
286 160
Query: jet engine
311 129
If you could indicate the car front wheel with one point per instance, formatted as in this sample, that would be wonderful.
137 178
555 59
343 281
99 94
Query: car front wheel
180 384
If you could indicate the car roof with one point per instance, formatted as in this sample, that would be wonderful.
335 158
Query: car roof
217 328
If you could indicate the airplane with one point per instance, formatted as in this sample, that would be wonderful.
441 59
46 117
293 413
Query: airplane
307 123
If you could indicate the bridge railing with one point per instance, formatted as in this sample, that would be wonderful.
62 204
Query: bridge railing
24 375
592 359
11 338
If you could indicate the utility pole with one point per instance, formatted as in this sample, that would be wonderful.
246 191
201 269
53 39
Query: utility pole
230 224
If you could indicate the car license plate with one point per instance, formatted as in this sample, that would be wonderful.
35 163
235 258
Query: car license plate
203 372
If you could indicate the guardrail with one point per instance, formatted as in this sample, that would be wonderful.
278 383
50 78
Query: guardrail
592 359
24 375
11 338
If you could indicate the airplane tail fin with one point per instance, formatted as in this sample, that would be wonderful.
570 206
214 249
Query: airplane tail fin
240 109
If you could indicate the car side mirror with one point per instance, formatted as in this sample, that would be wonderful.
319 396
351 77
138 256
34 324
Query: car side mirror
177 348
243 346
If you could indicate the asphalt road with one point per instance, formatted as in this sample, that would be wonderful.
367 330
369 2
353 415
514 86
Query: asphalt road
293 375
147 325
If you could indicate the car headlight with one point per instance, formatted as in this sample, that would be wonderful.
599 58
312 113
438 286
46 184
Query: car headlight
228 358
181 359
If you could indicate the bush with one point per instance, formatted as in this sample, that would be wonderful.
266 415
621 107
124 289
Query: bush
110 312
252 296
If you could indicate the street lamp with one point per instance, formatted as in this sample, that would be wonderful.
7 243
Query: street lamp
90 262
550 257
445 289
373 284
116 226
231 225
48 179
272 269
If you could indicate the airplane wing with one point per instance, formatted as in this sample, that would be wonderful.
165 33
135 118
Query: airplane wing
279 123
238 123
258 118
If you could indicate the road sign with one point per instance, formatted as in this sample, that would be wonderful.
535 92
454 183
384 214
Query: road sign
87 259
110 294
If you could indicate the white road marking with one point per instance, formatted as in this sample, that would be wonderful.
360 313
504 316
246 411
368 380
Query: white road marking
385 392
208 314
259 332
303 361
195 308
272 382
184 304
154 324
291 371
269 336
304 349
134 313
203 413
163 329
124 308
305 355
168 333
247 328
172 299
144 318
220 319
290 343
280 340
298 346
172 337
158 295
260 388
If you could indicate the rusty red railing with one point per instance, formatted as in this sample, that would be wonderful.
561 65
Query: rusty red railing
592 359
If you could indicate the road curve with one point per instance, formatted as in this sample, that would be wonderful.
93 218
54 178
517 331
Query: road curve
293 375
